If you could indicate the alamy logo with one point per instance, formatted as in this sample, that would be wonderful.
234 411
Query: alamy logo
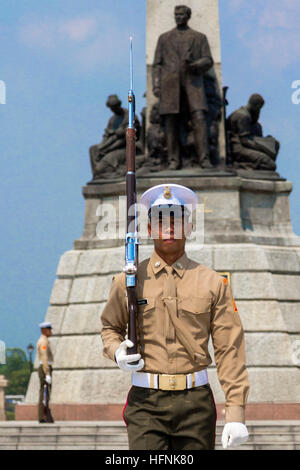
111 223
2 92
296 94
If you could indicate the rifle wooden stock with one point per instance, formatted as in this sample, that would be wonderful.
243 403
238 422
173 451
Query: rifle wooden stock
131 201
132 306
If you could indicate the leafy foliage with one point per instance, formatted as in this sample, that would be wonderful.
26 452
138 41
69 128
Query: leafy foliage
16 371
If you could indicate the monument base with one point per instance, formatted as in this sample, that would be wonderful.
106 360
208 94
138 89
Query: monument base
247 235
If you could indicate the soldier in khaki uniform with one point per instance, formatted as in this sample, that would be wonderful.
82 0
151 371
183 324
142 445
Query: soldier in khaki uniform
45 370
181 303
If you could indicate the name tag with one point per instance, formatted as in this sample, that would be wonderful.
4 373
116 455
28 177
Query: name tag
142 302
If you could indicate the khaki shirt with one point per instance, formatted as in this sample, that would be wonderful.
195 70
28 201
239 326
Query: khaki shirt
44 353
205 307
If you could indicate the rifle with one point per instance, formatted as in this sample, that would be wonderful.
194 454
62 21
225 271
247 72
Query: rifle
131 241
46 410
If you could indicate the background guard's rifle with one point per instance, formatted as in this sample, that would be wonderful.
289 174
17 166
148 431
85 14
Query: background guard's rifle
131 248
46 410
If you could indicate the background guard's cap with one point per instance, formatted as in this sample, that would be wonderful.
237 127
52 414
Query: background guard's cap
169 194
45 324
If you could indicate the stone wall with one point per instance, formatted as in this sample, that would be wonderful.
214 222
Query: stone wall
266 286
3 385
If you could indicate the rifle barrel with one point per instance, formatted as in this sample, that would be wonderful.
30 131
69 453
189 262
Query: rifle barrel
131 244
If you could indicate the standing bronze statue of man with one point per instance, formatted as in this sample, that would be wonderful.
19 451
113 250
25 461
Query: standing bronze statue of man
182 57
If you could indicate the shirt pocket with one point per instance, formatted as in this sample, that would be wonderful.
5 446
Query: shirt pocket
195 305
195 315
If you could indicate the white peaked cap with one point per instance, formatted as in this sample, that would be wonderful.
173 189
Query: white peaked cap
45 324
169 194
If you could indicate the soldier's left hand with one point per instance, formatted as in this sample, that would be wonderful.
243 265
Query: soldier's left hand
234 434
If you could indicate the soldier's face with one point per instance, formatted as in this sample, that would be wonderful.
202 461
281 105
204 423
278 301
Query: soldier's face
169 234
47 332
181 17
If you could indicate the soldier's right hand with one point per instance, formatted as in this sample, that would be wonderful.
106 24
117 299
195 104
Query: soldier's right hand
124 360
48 379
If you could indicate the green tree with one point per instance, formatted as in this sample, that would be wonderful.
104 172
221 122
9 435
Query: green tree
16 371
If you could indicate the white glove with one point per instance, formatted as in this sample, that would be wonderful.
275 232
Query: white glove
48 379
234 434
123 359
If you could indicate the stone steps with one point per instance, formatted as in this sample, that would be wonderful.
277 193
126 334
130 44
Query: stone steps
108 435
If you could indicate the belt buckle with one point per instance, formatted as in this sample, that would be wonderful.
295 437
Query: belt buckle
172 382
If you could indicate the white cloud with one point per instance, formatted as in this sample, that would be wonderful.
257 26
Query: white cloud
78 29
270 30
86 42
42 34
49 32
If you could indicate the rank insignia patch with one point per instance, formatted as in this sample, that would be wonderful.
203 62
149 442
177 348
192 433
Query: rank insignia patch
142 301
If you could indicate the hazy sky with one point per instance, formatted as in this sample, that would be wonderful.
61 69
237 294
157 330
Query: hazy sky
59 62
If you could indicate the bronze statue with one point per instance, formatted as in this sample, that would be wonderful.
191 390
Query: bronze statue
249 149
156 146
108 157
213 117
182 57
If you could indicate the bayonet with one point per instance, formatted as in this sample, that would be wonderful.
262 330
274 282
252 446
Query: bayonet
131 240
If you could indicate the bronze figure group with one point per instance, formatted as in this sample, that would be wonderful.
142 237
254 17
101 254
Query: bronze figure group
184 123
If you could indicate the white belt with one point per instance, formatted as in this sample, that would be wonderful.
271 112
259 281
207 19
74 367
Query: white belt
170 382
49 363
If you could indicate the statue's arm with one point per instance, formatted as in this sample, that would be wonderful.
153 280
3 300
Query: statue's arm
156 68
202 65
247 141
121 130
244 129
108 131
205 61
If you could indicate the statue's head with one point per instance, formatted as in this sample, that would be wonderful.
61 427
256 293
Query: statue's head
113 102
256 102
182 14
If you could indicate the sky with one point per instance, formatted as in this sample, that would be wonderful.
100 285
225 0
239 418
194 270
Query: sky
59 62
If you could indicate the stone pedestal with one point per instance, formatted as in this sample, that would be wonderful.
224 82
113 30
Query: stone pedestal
3 385
248 233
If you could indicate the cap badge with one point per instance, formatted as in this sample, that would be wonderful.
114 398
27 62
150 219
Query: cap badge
167 193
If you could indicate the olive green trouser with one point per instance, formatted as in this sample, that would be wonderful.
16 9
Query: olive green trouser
42 377
170 420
